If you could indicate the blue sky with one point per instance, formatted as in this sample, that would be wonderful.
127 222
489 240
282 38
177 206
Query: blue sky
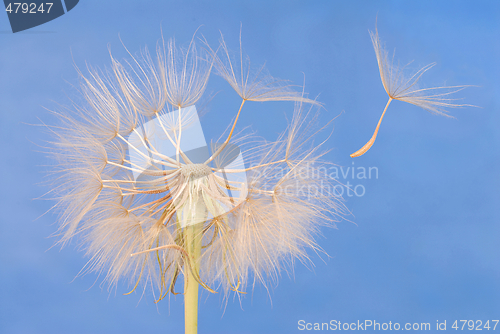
422 242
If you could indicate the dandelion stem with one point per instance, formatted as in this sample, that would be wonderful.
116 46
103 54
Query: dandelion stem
192 235
369 144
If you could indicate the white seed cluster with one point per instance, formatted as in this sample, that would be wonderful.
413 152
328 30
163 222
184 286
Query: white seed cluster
133 202
195 170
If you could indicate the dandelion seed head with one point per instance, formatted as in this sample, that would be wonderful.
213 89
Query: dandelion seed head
135 178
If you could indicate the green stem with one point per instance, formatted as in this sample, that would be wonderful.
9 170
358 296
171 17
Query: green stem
192 235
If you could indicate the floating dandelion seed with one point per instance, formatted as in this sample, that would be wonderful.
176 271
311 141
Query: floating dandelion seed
153 201
398 87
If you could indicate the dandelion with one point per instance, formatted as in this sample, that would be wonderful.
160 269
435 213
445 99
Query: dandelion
152 201
399 87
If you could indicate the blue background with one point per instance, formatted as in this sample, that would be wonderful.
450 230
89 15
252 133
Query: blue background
422 244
